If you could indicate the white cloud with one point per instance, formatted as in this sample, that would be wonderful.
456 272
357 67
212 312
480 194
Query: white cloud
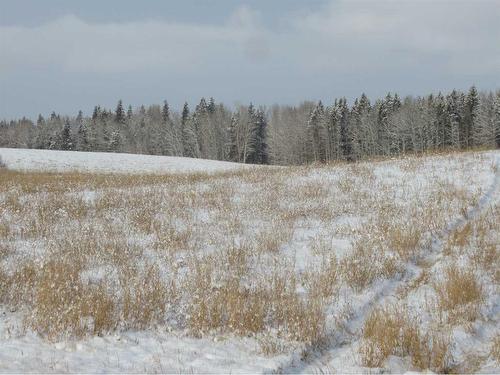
458 34
345 34
78 46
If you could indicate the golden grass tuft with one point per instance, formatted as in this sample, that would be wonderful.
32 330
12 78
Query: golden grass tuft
367 263
392 331
495 348
459 294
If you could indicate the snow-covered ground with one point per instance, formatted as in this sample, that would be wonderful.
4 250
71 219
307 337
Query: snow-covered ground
107 162
291 220
134 352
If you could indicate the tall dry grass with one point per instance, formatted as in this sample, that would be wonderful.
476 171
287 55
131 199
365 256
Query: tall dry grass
392 331
231 253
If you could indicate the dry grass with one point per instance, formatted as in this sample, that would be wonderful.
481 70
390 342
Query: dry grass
485 252
495 349
62 304
392 331
367 263
231 299
405 240
214 254
460 236
323 281
460 295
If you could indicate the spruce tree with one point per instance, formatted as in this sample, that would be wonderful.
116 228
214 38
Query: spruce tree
95 113
40 120
454 118
364 103
115 141
82 140
485 127
249 136
356 119
441 122
189 140
119 113
79 118
165 112
201 126
333 132
497 119
261 155
471 114
384 113
185 114
66 143
211 105
41 141
316 136
232 143
345 131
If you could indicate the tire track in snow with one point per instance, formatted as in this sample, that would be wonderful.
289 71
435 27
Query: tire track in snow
320 359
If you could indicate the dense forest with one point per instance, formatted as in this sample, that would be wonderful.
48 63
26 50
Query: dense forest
310 132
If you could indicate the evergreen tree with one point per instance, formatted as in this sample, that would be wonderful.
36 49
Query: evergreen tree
189 140
41 141
384 113
96 113
185 114
333 132
345 131
202 129
211 105
82 140
40 121
115 141
360 134
232 144
471 114
130 112
395 103
485 127
66 142
120 113
248 136
261 138
497 119
442 123
165 112
104 115
454 118
79 118
316 134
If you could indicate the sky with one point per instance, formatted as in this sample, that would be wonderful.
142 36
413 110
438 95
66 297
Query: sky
69 55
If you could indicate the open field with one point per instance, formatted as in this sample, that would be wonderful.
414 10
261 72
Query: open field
392 265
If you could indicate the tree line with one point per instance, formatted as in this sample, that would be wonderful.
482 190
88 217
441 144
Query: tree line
280 134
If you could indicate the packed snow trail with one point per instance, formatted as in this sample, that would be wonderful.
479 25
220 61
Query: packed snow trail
340 345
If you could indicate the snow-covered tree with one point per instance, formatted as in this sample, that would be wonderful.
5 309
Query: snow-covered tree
120 113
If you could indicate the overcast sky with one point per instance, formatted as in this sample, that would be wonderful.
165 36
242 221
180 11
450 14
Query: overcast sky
68 55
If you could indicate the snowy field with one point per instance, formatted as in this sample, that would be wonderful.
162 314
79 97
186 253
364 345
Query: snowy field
184 265
100 162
